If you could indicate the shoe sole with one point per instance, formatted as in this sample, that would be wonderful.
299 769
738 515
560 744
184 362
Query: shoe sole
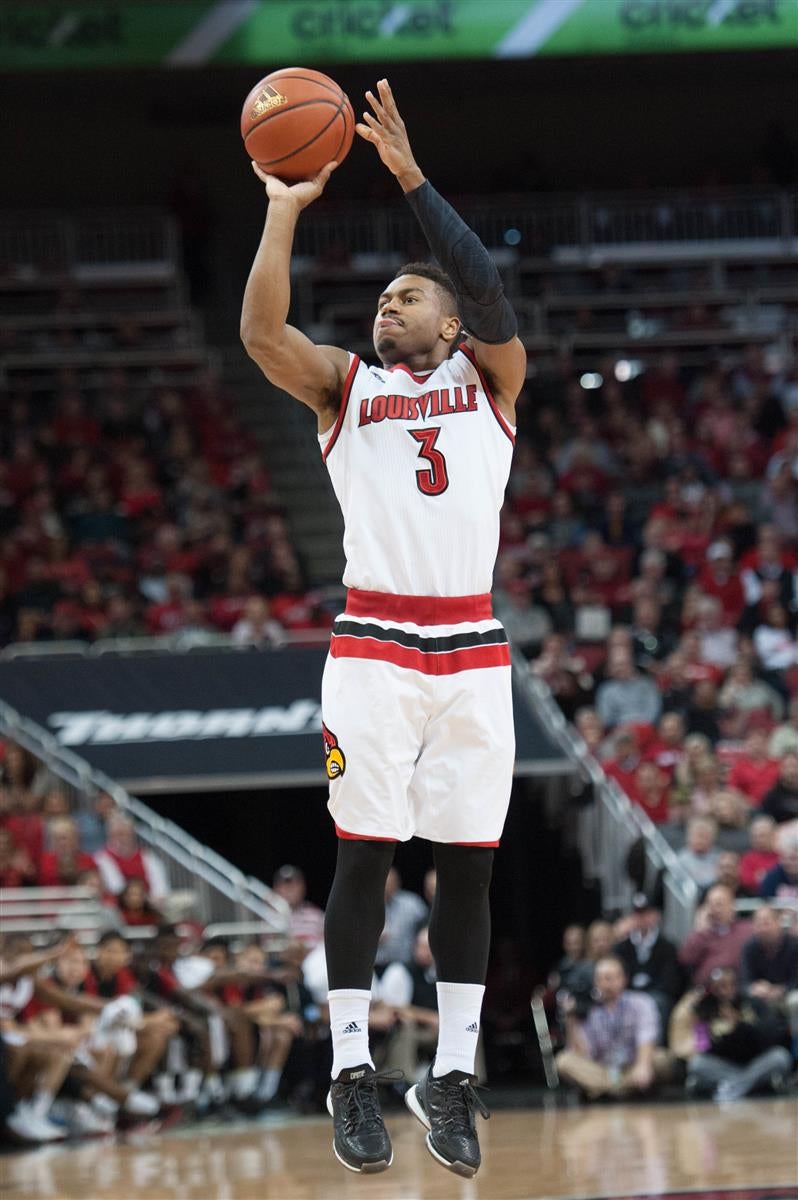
366 1168
457 1168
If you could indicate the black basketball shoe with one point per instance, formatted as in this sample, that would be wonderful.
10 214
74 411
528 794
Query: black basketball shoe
447 1106
360 1142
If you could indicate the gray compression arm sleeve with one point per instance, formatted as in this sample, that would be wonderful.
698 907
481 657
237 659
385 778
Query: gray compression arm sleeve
484 309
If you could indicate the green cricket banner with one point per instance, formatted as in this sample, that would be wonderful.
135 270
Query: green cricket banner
130 33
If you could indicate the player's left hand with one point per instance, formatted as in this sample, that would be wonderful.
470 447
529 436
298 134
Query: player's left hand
385 129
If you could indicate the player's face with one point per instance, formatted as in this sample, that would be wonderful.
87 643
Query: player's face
409 319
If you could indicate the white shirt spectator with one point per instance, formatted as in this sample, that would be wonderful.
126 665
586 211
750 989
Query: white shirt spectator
776 649
154 874
256 627
719 647
193 970
703 868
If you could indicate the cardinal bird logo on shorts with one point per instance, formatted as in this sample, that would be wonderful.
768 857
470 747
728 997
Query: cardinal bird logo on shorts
335 760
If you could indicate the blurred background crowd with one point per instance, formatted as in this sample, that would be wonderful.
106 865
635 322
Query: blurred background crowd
147 1017
157 495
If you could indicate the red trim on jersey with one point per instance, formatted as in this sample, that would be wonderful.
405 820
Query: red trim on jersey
419 610
503 422
350 379
428 663
472 843
359 837
416 378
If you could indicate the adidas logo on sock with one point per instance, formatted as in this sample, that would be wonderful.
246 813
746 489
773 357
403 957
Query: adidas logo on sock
353 1027
472 1028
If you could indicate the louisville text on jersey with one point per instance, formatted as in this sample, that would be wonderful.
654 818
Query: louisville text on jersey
439 402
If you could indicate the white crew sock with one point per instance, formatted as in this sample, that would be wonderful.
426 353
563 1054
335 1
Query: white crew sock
42 1102
349 1026
269 1083
459 1007
165 1088
243 1081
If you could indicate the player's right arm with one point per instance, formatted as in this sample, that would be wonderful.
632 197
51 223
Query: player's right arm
313 374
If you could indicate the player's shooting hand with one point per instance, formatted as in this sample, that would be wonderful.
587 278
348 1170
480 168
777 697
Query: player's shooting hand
385 129
302 194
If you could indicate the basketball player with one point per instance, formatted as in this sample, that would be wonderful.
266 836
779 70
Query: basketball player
416 700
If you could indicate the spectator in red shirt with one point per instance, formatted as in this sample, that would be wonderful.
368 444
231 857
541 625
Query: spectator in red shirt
135 907
651 792
719 578
16 869
754 773
73 426
584 481
762 856
23 823
623 767
662 384
110 977
717 939
61 866
667 747
170 614
121 858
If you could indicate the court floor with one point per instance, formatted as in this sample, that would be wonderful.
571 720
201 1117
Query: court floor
748 1151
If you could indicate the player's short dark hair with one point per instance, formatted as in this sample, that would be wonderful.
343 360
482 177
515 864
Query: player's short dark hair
439 277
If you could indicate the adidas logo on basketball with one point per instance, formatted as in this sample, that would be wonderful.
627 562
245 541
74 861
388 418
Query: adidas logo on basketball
352 1027
472 1028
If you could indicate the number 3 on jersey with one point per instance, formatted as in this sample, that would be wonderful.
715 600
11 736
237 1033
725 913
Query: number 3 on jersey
432 480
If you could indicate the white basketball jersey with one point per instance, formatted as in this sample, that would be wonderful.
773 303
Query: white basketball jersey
419 464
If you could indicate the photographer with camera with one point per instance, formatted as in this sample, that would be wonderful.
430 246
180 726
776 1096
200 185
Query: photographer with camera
729 1041
613 1051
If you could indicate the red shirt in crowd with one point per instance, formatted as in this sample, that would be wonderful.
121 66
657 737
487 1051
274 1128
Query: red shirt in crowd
666 757
27 830
623 772
11 877
140 916
53 873
120 984
754 865
754 777
166 617
654 804
729 591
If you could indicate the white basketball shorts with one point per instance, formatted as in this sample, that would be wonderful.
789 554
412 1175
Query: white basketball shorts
418 721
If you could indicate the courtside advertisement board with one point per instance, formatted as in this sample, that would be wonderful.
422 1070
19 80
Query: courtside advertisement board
178 722
117 33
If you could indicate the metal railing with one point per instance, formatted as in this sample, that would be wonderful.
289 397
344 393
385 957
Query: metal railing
607 829
535 225
49 242
189 642
223 893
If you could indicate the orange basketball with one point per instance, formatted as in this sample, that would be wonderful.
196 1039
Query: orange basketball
295 121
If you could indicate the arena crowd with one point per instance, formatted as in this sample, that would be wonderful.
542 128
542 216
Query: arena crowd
648 568
146 1021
